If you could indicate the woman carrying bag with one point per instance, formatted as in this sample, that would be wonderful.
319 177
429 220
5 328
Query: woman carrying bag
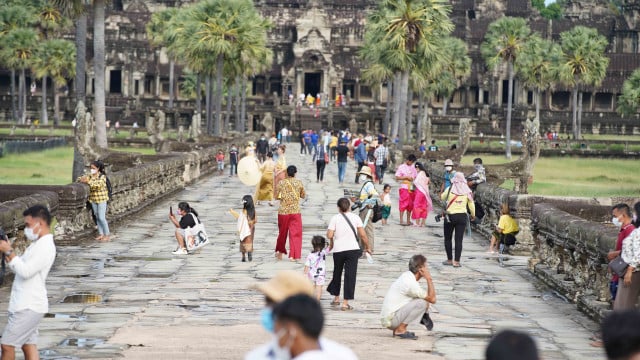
456 198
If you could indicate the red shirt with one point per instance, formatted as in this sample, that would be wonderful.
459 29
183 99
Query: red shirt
220 157
625 231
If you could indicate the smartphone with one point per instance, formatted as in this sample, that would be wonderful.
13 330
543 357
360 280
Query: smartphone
170 210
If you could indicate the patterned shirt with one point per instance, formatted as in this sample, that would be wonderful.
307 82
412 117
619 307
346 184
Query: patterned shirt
631 250
381 154
290 190
98 192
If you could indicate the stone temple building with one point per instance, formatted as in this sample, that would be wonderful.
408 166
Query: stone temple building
315 45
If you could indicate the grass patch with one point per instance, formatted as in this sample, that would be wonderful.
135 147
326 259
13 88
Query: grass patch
574 176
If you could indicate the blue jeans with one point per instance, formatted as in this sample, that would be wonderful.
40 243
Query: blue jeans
233 169
100 210
613 288
342 169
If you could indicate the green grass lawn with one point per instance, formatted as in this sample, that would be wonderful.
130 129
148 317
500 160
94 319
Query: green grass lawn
573 176
49 167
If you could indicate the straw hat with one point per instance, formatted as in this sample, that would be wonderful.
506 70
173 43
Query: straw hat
448 162
366 170
286 283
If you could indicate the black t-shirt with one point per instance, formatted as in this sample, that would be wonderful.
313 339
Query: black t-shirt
187 221
342 151
262 146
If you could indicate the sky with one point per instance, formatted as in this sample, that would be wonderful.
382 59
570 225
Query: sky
547 2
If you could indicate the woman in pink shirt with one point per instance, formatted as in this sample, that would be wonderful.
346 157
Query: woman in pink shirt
405 174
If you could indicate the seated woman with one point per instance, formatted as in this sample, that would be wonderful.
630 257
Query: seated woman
507 227
188 221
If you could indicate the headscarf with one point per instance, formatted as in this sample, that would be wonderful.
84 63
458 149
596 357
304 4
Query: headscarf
459 185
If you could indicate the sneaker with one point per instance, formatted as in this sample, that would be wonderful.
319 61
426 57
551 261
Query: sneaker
182 251
426 321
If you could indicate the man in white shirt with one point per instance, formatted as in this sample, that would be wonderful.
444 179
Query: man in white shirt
406 300
28 302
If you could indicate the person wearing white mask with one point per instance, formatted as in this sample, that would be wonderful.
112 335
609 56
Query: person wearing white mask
28 302
449 173
282 286
98 197
622 220
368 197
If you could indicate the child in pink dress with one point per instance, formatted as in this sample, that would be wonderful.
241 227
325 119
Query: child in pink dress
315 265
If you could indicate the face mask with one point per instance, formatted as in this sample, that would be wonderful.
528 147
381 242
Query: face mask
363 178
266 319
283 352
94 171
448 168
30 234
616 222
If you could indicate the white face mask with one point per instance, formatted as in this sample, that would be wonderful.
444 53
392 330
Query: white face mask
363 178
282 352
616 222
448 168
30 234
94 171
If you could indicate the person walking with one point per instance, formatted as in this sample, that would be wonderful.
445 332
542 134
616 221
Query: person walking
98 197
320 157
280 171
315 266
360 156
233 160
406 301
290 191
343 232
422 203
342 154
368 197
381 155
457 198
28 302
264 191
246 226
405 174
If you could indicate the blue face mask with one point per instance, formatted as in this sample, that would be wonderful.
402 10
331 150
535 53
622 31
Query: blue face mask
266 319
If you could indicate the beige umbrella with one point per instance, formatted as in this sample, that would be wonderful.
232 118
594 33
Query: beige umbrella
249 171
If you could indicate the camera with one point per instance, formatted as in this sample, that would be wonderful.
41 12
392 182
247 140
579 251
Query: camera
441 216
356 205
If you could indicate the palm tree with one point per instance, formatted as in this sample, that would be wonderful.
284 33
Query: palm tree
629 100
17 52
405 31
583 63
99 108
13 17
537 66
55 58
75 9
503 43
160 34
456 70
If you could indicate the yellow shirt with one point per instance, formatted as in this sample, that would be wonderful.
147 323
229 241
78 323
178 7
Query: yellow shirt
334 142
508 224
98 192
290 190
459 205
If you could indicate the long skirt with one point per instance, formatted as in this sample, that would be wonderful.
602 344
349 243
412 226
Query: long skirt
421 205
405 200
265 187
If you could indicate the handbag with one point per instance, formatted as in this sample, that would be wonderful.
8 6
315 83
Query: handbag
326 157
618 266
353 229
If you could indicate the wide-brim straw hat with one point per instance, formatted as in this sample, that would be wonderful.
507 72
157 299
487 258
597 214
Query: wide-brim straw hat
366 171
286 283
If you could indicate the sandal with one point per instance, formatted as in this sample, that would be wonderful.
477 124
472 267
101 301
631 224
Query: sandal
447 263
457 265
335 303
346 308
407 335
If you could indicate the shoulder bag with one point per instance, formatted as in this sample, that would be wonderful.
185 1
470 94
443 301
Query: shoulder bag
353 229
618 266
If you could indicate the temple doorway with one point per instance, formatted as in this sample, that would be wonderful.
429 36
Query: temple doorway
312 83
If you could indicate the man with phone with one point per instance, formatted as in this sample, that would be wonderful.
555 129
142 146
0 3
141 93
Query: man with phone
28 302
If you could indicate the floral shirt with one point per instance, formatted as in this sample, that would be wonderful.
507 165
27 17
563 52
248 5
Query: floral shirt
631 249
290 191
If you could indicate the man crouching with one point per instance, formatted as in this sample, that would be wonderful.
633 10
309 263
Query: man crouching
407 301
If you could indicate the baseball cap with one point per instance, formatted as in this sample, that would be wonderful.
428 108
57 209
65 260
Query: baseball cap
284 284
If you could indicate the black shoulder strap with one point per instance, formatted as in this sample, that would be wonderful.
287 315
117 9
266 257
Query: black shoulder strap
365 183
350 225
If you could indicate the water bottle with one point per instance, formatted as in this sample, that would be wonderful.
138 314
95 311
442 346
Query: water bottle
369 257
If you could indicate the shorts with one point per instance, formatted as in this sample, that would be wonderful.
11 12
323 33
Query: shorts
22 328
386 211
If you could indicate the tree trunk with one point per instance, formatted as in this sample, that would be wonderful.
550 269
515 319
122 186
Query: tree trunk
21 99
218 99
402 98
538 97
43 115
56 107
445 105
227 116
427 121
578 128
172 66
236 91
509 106
395 122
574 104
81 53
99 110
387 114
198 95
243 110
419 121
409 127
207 104
14 100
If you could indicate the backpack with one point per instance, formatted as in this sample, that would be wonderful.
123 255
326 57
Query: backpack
109 188
377 209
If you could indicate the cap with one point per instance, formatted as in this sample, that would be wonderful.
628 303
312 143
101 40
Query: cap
367 139
448 162
286 283
365 170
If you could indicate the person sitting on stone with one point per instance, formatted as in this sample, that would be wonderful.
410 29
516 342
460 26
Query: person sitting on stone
509 345
407 301
479 176
507 227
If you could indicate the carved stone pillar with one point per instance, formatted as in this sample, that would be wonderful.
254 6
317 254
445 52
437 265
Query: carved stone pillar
357 95
299 82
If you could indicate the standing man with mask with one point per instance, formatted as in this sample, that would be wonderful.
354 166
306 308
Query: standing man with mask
28 302
360 156
448 175
262 147
282 286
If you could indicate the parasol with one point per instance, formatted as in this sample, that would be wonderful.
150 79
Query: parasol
249 171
